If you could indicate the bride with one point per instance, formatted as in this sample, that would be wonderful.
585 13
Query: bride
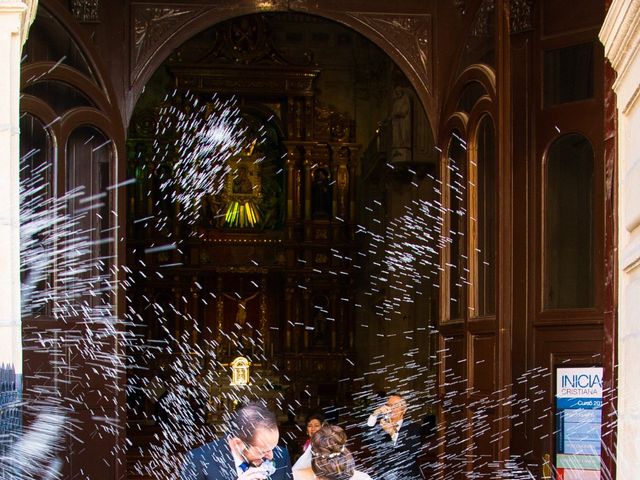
330 458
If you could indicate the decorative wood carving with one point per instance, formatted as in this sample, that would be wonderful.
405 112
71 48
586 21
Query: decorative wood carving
482 26
246 40
412 36
152 25
230 79
521 17
86 11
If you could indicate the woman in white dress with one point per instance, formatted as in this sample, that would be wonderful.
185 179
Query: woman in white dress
330 458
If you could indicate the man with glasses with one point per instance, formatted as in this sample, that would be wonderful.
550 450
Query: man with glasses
250 451
395 444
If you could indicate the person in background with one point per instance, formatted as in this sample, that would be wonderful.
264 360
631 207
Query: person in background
313 423
394 441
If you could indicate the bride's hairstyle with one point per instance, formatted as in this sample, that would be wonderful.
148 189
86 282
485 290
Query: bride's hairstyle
331 459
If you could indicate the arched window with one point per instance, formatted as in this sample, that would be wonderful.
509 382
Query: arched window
36 153
486 217
89 160
568 224
36 187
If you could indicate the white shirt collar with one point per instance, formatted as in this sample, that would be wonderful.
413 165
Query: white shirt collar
238 460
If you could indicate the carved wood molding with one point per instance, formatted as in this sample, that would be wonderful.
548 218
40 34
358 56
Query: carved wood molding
410 35
483 24
521 16
241 79
86 11
151 26
461 5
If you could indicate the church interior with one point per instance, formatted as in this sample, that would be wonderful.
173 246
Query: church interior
311 204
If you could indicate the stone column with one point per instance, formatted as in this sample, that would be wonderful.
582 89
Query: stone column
15 18
621 36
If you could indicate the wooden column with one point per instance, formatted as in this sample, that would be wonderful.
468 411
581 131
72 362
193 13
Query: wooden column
288 317
308 162
293 190
219 317
505 233
264 324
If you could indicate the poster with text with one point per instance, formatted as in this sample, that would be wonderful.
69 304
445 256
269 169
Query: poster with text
579 419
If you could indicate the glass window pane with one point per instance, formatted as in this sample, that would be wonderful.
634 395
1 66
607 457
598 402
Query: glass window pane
568 240
36 175
568 74
89 156
458 277
486 218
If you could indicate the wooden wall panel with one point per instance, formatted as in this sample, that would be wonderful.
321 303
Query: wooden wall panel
555 19
484 439
483 367
455 363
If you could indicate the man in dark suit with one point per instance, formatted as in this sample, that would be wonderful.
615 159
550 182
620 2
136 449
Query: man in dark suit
394 442
250 451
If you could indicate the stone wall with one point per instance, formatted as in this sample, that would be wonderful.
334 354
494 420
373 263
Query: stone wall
620 35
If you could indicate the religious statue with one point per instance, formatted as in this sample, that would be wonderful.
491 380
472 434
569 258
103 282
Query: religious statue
271 198
212 210
321 337
241 183
245 331
243 191
400 126
241 313
320 194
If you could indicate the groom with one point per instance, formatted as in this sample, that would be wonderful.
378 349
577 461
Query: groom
249 452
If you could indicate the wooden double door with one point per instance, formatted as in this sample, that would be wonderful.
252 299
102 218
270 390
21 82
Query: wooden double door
527 270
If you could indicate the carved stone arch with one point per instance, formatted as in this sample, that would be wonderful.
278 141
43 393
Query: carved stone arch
406 39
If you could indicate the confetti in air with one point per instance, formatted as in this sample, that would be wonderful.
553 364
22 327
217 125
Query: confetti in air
173 367
194 141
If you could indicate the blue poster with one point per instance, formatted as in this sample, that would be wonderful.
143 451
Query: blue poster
579 420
